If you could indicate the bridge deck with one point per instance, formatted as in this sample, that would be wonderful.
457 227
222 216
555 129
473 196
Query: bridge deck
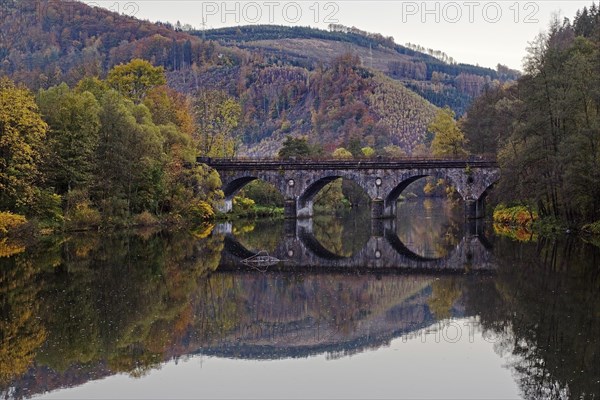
310 164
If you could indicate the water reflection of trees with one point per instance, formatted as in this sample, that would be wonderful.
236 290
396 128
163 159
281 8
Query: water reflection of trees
261 234
345 234
544 309
430 227
83 307
122 300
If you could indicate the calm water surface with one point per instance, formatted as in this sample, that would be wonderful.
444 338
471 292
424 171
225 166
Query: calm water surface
425 306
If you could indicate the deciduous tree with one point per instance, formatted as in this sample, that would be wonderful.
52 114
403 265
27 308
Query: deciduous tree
22 132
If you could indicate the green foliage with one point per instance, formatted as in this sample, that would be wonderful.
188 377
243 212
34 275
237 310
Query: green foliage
331 198
448 140
200 211
593 228
368 152
130 155
262 193
550 155
72 139
22 132
490 119
242 204
47 208
135 79
295 148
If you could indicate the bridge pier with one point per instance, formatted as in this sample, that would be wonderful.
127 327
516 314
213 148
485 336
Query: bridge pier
289 209
474 209
226 206
377 209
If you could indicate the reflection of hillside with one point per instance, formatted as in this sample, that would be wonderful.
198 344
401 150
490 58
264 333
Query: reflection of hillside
279 315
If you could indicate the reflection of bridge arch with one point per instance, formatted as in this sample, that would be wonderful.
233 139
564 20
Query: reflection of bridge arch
380 252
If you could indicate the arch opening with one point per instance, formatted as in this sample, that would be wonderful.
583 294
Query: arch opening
394 195
263 193
314 188
334 193
252 196
236 185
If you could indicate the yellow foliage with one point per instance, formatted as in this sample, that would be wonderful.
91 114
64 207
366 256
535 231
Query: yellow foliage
243 203
201 211
518 233
515 222
341 153
429 188
518 215
9 248
203 231
10 221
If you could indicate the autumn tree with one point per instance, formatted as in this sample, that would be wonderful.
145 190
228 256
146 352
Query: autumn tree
22 132
217 116
448 139
135 79
341 153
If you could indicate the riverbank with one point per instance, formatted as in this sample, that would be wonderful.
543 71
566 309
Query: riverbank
524 224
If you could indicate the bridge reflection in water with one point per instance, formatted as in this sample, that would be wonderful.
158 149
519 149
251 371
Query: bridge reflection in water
384 251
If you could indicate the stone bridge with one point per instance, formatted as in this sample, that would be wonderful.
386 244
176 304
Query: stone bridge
300 180
383 252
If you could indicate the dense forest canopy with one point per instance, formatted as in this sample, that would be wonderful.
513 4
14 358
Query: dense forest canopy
545 128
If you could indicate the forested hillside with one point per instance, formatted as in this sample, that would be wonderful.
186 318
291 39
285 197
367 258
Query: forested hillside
286 80
432 74
47 42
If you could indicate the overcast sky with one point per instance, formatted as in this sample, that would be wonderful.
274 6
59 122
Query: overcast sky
475 32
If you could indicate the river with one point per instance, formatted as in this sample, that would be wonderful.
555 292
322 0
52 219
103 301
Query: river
425 306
